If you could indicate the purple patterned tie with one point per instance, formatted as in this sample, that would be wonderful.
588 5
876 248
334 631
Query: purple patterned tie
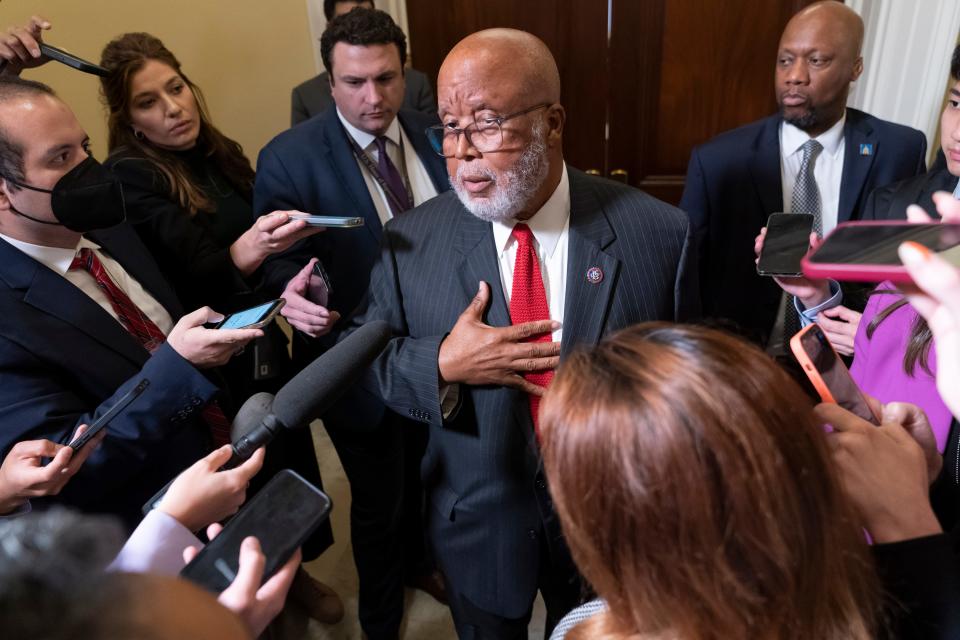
388 171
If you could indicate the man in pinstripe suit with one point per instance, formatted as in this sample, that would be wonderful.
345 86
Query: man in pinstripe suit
452 277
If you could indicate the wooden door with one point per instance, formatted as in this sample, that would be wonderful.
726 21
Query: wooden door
643 81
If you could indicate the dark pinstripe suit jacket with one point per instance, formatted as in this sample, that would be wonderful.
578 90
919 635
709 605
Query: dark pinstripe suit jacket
482 469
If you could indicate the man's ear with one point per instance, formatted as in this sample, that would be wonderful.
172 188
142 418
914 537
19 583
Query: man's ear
4 200
556 118
857 69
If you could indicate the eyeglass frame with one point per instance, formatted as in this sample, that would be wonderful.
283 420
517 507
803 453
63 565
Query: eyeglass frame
499 120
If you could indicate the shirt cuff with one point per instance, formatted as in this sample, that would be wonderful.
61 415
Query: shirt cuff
156 546
449 397
809 316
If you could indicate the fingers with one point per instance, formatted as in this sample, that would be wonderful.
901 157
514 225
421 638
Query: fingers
235 336
530 329
519 382
842 312
199 317
273 221
815 241
279 583
58 465
840 419
902 413
23 44
35 449
947 206
214 530
217 458
298 284
79 457
479 303
250 571
917 215
189 553
251 465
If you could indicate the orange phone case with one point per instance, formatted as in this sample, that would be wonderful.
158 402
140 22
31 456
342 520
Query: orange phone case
814 375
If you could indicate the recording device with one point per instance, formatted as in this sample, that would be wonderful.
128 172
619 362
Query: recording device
71 60
101 422
281 516
828 374
319 287
867 251
307 396
786 242
252 318
338 222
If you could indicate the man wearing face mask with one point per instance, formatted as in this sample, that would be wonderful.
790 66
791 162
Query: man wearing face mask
88 321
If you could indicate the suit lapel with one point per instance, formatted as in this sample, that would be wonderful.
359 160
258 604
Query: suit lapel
858 134
474 241
765 168
340 157
433 163
587 303
54 295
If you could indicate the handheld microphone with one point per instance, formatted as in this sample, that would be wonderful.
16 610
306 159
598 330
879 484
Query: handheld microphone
304 398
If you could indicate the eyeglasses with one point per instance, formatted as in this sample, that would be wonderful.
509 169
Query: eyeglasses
484 135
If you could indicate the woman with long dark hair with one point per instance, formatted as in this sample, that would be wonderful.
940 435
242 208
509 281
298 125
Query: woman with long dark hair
697 495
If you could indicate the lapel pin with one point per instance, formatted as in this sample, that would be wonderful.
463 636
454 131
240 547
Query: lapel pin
594 275
866 149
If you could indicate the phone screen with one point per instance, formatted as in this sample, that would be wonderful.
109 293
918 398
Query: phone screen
281 516
876 244
834 374
247 317
786 242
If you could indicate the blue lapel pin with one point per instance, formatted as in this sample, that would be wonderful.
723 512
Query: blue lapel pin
866 149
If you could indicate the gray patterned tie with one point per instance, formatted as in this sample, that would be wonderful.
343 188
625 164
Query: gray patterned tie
806 194
805 199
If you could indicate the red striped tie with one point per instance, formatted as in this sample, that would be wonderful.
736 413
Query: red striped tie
148 334
528 302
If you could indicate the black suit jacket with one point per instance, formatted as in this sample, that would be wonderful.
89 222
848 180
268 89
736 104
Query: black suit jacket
482 469
733 185
891 202
65 361
312 97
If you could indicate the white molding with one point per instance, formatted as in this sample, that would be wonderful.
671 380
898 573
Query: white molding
906 59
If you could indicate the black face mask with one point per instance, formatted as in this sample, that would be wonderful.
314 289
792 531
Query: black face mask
85 198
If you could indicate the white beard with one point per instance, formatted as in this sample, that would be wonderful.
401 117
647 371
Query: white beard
512 189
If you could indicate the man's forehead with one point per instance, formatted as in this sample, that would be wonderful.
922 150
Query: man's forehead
39 122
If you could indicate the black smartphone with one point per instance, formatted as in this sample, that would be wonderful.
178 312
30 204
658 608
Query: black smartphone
71 60
281 516
319 287
252 318
101 422
786 242
826 371
867 251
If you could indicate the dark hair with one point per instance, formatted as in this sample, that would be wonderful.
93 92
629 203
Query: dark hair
955 63
330 5
125 56
919 341
697 494
362 27
11 152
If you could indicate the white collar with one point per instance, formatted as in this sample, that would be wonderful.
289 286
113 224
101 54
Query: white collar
792 138
54 258
547 224
365 139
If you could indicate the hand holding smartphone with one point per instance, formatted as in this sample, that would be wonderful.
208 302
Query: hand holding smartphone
826 371
253 318
336 222
319 287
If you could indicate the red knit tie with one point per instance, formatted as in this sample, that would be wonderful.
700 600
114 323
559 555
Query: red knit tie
528 302
148 334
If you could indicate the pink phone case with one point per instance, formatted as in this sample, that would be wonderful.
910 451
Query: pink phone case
856 272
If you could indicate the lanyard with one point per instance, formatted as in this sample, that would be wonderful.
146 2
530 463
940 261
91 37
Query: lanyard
401 202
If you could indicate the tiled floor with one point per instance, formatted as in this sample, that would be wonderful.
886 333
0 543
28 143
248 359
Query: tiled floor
425 618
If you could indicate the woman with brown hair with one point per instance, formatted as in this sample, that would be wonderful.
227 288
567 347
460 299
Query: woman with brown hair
696 493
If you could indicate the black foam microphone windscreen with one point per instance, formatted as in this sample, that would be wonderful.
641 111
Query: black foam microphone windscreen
312 391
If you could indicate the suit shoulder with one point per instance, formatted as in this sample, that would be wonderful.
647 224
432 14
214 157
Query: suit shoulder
311 84
735 139
293 140
887 130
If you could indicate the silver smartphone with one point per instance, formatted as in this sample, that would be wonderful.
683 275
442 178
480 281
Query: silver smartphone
338 222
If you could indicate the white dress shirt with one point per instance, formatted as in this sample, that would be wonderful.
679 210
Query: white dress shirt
827 169
420 182
59 261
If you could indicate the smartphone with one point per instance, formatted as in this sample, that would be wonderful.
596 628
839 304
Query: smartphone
101 422
281 516
830 377
319 287
252 318
71 60
786 242
867 251
339 222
